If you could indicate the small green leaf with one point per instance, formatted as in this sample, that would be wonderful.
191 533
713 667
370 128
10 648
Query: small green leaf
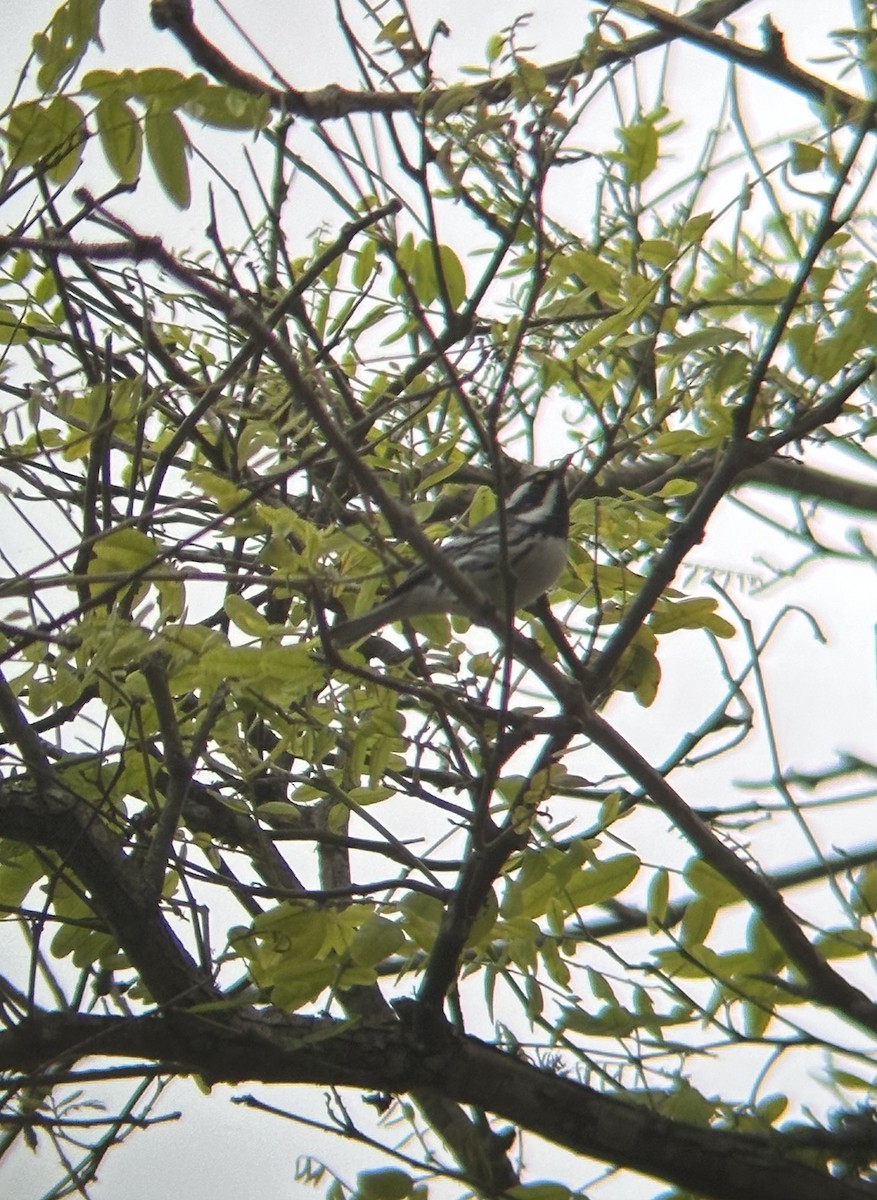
163 89
771 1108
228 108
103 83
702 339
660 252
804 158
364 263
375 940
12 331
587 270
864 891
245 616
452 100
387 1183
454 276
643 293
658 899
696 612
73 27
494 47
18 874
678 442
120 137
697 922
599 883
677 487
168 148
539 1190
29 134
68 122
640 154
706 881
125 550
756 1018
844 943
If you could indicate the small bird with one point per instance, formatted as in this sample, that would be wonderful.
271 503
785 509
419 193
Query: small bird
533 556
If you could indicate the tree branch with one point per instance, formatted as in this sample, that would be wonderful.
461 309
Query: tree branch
825 985
770 62
333 102
55 820
389 1057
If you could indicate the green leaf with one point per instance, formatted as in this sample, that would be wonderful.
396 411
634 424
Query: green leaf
697 612
364 263
685 1103
228 108
756 1018
701 339
73 27
844 943
695 227
864 891
36 132
539 1190
452 100
611 1021
13 332
494 47
658 899
168 148
529 80
706 881
103 83
677 487
771 1108
697 922
120 137
679 442
245 616
163 89
123 550
302 983
375 940
823 355
388 1183
591 272
804 158
421 917
769 957
19 871
640 154
454 276
601 882
68 121
660 252
643 293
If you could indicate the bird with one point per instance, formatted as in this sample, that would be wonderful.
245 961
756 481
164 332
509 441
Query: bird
532 556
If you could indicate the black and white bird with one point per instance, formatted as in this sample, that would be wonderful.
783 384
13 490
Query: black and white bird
532 557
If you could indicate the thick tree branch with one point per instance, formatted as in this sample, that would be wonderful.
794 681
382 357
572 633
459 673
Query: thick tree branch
333 102
797 479
54 820
390 1057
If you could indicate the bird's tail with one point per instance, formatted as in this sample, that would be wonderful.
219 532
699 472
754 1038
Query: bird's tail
347 632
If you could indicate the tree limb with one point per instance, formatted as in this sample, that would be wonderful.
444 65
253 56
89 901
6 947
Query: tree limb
390 1057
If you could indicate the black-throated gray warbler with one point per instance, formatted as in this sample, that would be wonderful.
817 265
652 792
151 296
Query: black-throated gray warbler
534 554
